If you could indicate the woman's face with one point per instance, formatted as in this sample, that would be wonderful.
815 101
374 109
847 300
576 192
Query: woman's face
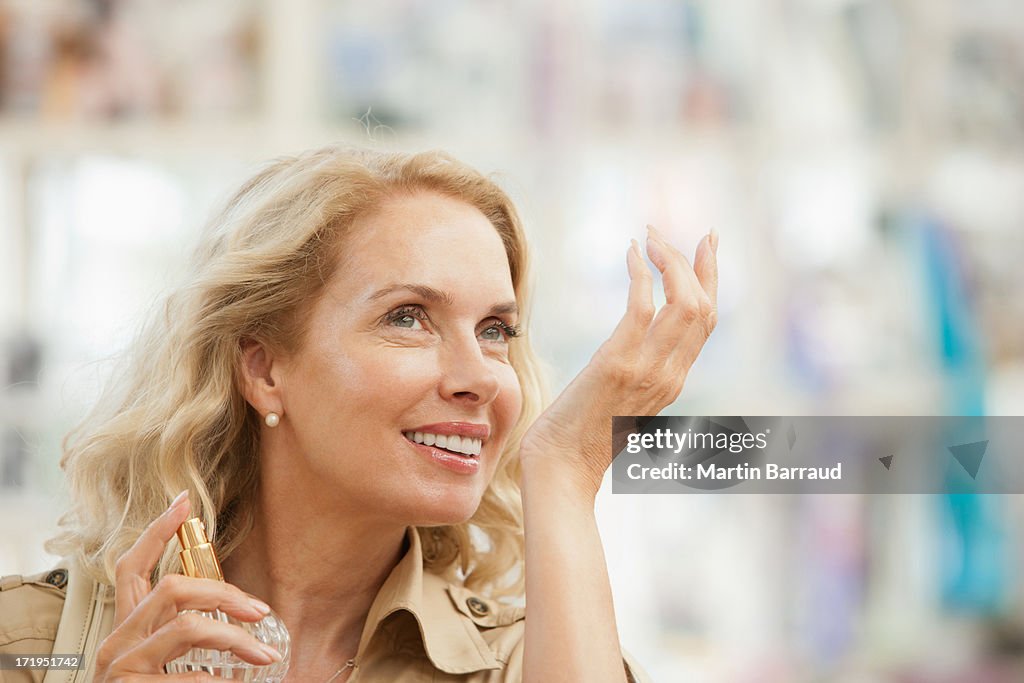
406 350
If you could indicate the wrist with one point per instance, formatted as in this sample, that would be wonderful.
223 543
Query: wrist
558 476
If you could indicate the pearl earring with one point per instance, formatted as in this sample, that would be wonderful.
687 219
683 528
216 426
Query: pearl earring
272 419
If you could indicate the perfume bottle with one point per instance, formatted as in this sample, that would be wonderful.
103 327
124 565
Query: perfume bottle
199 560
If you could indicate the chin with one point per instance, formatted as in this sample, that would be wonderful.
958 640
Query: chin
446 509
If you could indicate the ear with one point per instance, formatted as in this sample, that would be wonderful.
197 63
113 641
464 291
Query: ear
257 373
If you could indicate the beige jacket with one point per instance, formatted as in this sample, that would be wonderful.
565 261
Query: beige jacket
420 628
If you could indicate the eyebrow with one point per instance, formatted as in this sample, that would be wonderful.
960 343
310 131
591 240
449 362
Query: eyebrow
435 295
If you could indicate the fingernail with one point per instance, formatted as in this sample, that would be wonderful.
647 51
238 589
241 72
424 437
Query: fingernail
660 236
636 248
713 238
655 252
270 652
179 499
260 606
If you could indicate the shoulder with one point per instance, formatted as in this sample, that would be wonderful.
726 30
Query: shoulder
30 609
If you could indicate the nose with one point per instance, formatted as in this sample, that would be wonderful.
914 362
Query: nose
466 374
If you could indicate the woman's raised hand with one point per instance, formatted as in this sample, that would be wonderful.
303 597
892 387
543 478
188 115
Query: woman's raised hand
639 370
149 629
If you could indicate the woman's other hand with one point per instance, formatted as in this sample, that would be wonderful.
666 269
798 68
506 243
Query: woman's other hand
149 628
639 370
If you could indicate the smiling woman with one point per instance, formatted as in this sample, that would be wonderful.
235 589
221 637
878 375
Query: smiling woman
344 394
400 341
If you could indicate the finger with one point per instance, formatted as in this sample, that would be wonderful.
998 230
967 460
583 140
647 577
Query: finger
679 280
134 568
686 304
640 301
188 631
680 285
706 268
176 593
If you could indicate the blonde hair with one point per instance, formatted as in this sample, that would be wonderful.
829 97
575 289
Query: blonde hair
175 417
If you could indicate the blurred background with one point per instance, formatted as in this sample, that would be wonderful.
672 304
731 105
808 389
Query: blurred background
861 160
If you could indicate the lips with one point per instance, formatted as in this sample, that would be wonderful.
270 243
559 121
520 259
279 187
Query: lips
463 438
471 429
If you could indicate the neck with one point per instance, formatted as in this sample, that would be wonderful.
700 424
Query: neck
319 572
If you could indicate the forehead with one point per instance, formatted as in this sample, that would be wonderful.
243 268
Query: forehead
428 238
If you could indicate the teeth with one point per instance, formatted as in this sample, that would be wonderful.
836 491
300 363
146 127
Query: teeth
459 444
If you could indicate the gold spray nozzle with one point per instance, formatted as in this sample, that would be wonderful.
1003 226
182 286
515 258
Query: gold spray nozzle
197 556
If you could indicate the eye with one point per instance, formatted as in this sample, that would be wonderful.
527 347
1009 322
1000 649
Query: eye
499 331
409 317
406 321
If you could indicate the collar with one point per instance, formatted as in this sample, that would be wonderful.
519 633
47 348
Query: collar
450 638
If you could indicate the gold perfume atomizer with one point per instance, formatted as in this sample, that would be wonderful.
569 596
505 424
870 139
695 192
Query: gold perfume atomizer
197 557
198 560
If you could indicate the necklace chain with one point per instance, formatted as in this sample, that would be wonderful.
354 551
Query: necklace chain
350 664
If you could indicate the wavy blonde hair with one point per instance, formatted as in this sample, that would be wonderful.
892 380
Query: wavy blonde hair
175 417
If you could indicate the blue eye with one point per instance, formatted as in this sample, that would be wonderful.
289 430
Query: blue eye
408 317
493 333
499 331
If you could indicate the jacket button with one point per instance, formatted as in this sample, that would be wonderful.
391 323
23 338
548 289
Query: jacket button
478 607
58 578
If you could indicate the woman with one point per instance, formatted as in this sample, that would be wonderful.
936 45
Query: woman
351 313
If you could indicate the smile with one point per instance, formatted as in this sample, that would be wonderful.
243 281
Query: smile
463 445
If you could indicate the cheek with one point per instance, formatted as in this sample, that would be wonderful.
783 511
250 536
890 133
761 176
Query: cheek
392 379
346 382
510 397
